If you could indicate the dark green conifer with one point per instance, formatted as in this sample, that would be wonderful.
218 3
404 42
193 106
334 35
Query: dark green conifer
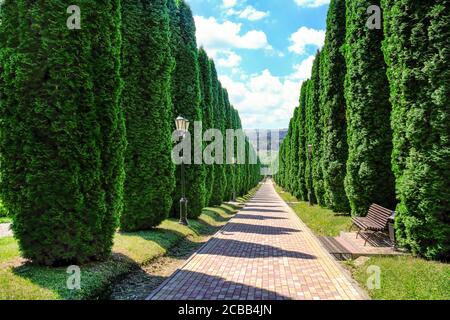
186 100
302 192
417 52
63 132
314 129
369 176
217 196
208 112
332 103
146 100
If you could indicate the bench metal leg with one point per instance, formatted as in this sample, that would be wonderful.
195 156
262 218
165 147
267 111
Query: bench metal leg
367 237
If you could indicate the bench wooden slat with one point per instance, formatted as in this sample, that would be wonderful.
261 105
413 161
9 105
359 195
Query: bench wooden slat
378 222
376 219
367 226
379 213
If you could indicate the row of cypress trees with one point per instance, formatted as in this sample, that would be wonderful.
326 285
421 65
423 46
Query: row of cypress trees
87 118
417 52
375 116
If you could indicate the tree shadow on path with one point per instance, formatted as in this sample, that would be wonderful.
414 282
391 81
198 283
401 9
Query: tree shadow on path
241 249
189 285
258 229
263 210
258 217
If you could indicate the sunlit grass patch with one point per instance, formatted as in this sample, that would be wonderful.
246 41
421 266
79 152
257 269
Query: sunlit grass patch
19 280
406 278
322 221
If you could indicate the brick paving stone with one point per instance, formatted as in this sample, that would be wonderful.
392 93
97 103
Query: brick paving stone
264 252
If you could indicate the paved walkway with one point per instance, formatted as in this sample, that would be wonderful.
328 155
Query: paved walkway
264 252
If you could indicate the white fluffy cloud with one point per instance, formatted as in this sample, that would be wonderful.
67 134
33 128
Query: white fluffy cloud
311 3
303 69
304 37
219 40
249 13
229 3
266 99
214 35
227 59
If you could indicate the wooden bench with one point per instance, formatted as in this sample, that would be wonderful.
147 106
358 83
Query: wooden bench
376 220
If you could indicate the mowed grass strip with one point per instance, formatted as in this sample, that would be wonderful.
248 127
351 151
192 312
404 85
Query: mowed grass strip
406 278
19 280
322 221
5 220
402 277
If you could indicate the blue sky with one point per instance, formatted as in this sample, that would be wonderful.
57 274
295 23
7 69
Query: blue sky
263 52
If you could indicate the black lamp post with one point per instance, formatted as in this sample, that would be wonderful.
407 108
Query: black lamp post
182 126
310 146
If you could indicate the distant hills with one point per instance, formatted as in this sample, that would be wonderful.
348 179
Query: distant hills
257 136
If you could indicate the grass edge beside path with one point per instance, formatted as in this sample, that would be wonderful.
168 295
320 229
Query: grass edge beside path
322 221
5 220
402 277
23 281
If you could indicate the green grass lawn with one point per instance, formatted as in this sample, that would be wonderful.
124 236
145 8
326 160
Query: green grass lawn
402 277
9 249
19 280
26 281
406 278
321 221
5 220
3 212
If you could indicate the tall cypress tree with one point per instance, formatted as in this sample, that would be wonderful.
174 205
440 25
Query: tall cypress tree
315 131
9 59
208 112
186 101
282 158
288 164
309 142
278 165
369 177
223 124
285 153
228 167
219 176
332 102
417 53
254 168
63 135
248 166
318 135
239 167
245 168
295 153
146 70
236 172
302 148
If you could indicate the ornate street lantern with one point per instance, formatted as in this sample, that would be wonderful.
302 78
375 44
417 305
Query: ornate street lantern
182 126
